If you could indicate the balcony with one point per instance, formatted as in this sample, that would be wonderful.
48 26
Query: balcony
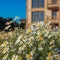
54 20
53 4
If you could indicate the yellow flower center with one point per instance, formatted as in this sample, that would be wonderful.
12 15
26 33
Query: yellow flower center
49 58
40 37
39 45
56 56
28 56
50 54
29 30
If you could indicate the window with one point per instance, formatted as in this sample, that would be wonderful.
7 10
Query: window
37 3
54 14
53 1
37 16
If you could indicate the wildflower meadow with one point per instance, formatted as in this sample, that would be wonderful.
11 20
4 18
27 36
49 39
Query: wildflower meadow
38 42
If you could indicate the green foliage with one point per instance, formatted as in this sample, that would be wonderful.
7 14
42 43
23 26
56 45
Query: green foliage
36 43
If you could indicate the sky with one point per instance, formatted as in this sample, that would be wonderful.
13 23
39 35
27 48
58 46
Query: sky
12 8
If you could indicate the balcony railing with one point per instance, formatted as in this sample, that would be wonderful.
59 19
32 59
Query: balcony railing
53 3
54 20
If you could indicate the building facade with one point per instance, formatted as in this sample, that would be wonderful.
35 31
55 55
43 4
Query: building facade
43 10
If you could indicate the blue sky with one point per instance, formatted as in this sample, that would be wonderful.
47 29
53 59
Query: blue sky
12 8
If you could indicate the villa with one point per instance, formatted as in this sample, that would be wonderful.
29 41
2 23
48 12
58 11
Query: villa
44 11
